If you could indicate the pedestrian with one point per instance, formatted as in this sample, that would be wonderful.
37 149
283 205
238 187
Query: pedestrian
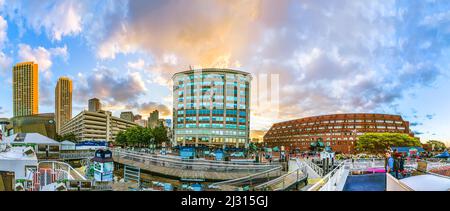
388 162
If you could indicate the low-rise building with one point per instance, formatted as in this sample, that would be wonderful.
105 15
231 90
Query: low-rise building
98 126
338 131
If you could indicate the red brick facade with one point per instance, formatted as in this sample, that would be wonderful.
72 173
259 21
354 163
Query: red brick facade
339 131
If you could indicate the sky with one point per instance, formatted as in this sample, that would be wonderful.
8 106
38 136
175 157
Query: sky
307 57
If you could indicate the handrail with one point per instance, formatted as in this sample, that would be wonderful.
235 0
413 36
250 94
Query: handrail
70 168
322 182
181 159
188 163
229 182
283 177
315 167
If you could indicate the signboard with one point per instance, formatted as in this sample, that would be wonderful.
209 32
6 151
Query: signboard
187 153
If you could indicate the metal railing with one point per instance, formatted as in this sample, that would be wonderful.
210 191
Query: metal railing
52 171
285 181
314 167
329 182
76 155
248 178
177 158
191 165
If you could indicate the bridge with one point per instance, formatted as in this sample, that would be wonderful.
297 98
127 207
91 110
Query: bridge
191 169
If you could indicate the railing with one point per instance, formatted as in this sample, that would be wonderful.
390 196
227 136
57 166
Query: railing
314 167
53 171
285 181
72 174
330 181
246 178
177 158
192 165
364 164
76 155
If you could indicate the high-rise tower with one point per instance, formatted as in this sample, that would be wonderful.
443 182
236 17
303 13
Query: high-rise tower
63 102
25 89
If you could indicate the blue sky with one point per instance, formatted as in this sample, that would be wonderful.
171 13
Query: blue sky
329 56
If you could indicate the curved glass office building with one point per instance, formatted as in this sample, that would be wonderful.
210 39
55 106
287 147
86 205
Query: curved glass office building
211 107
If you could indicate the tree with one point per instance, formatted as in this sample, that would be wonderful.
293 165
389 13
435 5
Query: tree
438 145
379 142
135 136
121 138
66 137
160 134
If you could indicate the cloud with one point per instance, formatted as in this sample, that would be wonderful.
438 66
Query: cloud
56 18
417 132
3 32
109 86
413 124
146 108
138 65
430 116
324 64
5 60
42 56
330 57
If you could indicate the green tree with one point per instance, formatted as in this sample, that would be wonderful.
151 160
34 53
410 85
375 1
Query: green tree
379 142
135 136
160 134
121 138
66 137
438 145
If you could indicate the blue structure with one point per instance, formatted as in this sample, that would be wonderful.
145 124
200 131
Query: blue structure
443 155
187 153
219 154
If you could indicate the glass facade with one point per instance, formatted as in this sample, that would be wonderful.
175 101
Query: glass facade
211 106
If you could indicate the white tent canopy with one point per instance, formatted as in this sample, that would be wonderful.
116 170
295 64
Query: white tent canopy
30 138
68 145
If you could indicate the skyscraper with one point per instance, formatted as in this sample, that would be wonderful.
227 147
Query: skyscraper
25 89
94 105
153 119
127 115
63 102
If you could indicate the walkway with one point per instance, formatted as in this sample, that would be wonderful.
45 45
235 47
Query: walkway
189 169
